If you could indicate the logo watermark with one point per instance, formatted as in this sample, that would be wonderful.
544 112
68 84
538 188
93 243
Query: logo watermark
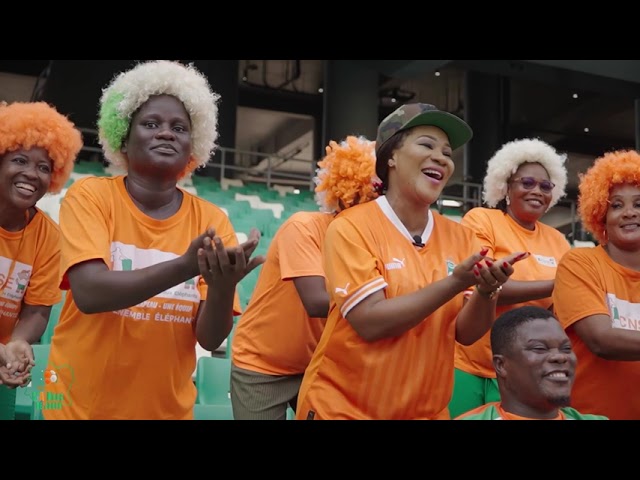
49 392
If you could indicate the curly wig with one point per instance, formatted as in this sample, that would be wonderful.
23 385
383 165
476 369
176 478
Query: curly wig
608 171
130 89
508 159
347 174
37 124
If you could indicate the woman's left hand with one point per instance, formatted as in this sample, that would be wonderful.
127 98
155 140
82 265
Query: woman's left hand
492 274
17 364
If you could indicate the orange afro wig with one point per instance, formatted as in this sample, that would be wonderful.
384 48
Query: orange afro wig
615 168
347 175
36 124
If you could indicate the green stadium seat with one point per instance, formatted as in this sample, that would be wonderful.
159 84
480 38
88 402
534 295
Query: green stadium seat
53 320
8 398
206 184
212 412
36 412
213 381
24 396
227 352
90 168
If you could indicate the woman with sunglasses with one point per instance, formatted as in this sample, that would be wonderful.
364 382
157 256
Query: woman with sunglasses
524 179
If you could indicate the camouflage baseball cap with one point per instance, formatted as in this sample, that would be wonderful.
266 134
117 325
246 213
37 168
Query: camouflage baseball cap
415 114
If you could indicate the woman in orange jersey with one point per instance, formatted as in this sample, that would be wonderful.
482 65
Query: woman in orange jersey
277 334
145 261
38 147
597 291
396 274
524 179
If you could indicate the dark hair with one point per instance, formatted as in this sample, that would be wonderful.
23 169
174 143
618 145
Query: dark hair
505 328
385 152
502 205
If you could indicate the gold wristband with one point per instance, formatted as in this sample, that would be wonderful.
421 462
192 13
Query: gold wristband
490 295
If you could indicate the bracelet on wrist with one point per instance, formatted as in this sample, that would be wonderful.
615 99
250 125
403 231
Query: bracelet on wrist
490 295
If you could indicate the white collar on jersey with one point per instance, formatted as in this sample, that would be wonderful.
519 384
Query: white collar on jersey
383 203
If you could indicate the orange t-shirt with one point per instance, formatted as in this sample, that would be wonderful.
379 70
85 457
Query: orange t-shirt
589 283
504 236
137 362
275 335
29 262
368 249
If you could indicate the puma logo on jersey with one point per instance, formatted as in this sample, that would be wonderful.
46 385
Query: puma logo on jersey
342 290
396 264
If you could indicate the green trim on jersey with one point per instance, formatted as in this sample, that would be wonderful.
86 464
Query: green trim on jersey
490 412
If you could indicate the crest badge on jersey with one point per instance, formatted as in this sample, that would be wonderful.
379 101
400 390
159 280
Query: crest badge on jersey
450 267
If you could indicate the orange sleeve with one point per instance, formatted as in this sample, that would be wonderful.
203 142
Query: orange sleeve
84 229
578 291
224 230
43 283
351 268
478 221
299 252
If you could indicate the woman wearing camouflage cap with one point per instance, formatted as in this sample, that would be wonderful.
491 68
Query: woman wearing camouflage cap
397 273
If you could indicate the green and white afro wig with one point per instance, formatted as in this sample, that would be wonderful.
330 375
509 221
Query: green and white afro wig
130 89
508 159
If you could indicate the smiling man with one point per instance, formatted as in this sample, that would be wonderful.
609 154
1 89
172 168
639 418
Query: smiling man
535 367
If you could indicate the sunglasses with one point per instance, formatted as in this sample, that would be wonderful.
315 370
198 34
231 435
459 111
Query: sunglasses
529 183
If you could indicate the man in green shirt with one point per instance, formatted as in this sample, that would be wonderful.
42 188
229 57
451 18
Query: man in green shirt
535 366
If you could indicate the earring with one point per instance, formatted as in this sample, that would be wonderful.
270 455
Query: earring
508 200
391 162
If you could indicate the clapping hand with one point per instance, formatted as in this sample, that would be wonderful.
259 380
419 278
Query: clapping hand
486 273
491 274
219 265
16 362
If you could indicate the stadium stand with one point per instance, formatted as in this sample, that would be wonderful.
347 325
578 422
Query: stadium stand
248 205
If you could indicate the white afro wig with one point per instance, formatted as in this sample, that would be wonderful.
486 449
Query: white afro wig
508 159
130 89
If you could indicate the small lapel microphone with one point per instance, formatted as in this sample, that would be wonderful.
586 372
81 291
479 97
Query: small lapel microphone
417 241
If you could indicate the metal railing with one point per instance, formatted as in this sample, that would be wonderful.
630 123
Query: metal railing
260 167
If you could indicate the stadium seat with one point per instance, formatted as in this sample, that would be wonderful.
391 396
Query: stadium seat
24 396
212 412
200 352
53 320
36 412
213 381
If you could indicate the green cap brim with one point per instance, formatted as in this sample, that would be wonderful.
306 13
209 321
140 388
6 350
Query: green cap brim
456 129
